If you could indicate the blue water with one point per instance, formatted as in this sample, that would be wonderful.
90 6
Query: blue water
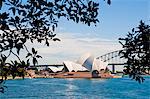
52 88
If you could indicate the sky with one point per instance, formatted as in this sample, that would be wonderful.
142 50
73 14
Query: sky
77 39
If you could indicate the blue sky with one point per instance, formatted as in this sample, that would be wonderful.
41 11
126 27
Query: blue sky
77 39
115 21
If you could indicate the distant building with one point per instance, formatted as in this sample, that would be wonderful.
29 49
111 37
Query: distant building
70 66
56 69
85 63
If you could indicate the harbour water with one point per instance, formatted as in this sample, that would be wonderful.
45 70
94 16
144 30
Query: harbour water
53 88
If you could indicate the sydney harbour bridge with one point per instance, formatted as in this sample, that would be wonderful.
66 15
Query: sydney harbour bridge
114 60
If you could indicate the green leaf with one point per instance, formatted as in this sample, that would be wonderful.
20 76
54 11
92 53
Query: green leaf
18 49
29 54
34 61
13 10
38 56
109 2
1 2
56 39
3 57
47 43
133 30
28 63
77 19
33 51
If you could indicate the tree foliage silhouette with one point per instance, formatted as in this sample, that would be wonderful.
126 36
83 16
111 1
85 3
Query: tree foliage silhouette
136 49
22 21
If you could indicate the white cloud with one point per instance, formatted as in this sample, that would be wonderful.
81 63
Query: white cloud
71 48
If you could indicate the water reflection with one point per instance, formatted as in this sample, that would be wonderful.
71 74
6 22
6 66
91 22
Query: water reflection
76 89
70 89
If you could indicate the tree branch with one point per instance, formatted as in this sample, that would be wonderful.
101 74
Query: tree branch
16 56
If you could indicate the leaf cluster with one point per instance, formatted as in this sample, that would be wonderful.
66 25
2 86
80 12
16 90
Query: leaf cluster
22 21
12 68
136 49
32 20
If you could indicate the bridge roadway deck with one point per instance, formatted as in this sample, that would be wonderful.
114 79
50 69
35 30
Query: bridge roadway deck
62 65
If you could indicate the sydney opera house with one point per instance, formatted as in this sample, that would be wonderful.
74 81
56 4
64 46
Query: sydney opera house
85 67
86 63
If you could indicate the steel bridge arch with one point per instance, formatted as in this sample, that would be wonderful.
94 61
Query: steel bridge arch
111 55
114 59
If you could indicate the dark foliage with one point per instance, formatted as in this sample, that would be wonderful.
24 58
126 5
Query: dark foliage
137 52
35 20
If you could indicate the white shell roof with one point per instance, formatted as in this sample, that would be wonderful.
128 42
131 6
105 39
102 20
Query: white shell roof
83 58
99 64
56 69
86 62
71 66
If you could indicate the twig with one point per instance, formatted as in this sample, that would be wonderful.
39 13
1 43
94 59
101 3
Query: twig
16 56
